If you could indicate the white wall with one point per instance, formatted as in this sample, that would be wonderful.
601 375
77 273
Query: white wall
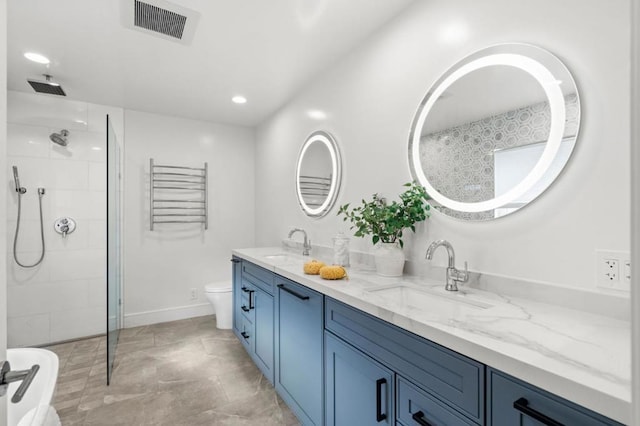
370 99
161 266
64 296
635 200
3 198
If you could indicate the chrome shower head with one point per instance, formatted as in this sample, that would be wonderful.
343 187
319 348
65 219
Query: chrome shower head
60 138
48 86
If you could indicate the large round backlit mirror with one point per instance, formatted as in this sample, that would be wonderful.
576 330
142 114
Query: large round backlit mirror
495 131
318 174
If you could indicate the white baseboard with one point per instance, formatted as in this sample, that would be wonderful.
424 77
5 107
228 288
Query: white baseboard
168 314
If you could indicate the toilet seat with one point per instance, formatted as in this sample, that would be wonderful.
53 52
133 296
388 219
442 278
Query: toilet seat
218 287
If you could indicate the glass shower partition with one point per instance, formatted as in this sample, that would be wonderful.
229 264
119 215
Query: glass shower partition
114 260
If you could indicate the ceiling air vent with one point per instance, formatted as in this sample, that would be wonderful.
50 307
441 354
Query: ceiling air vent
161 18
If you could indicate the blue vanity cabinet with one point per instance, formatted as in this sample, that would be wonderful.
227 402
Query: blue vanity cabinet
358 390
336 365
253 313
454 381
299 350
512 402
429 375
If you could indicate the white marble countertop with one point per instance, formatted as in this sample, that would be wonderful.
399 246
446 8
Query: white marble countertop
580 356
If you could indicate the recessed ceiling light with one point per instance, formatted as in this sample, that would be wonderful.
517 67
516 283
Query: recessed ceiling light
316 114
239 99
36 57
96 148
454 32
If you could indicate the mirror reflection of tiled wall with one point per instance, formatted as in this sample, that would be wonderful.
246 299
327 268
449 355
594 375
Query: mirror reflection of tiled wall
459 161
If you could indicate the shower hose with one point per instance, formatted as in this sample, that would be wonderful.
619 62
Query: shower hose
15 238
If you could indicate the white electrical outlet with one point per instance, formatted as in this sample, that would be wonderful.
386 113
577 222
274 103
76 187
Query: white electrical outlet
613 269
626 272
194 293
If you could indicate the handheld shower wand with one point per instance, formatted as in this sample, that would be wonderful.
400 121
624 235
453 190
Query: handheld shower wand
16 179
21 190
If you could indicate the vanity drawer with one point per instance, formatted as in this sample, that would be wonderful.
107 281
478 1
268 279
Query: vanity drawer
416 407
513 402
450 377
257 276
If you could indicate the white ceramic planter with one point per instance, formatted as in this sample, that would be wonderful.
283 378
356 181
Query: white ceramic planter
389 259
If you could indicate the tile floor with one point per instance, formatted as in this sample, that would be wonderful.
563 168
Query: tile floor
183 372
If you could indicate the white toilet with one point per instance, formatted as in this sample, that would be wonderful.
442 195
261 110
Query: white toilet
219 294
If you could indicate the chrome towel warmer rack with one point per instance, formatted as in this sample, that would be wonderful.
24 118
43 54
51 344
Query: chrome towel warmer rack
178 194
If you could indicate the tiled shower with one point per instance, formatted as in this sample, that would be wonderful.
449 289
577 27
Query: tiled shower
64 297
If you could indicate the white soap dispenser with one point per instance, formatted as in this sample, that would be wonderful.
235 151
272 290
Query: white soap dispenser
341 249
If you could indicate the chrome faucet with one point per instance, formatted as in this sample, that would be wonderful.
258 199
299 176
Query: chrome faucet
454 276
306 245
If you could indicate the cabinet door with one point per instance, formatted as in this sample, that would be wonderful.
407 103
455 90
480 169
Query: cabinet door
359 390
299 329
262 305
237 283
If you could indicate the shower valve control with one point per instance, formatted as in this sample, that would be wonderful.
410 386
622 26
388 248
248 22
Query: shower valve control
64 226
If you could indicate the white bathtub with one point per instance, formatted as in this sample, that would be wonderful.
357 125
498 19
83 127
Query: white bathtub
35 408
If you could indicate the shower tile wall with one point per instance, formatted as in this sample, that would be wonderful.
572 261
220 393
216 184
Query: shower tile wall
64 297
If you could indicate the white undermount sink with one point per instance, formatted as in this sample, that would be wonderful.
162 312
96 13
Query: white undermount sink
279 257
433 301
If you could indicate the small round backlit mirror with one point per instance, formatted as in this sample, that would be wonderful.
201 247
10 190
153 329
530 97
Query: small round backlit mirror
318 174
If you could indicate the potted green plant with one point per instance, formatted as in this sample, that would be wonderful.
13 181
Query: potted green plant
385 222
